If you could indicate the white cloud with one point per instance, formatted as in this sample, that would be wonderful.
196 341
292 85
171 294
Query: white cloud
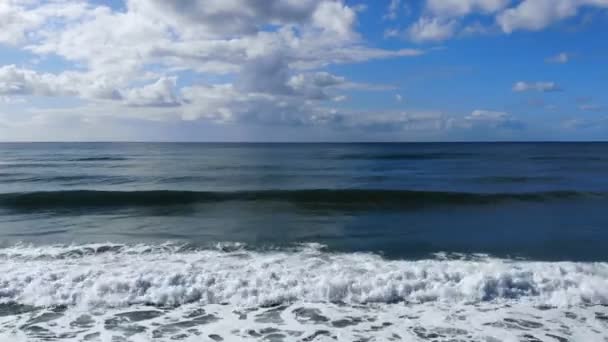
315 85
269 54
218 18
18 81
335 18
560 58
444 19
393 10
483 115
398 98
538 14
22 20
585 123
457 8
216 36
158 94
386 121
494 119
536 86
432 29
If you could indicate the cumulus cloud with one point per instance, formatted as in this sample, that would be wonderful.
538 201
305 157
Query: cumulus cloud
444 19
220 18
246 61
267 73
158 94
536 86
21 20
315 85
212 36
271 55
538 14
335 18
18 81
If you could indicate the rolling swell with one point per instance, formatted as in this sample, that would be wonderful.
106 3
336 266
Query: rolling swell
322 198
98 159
405 156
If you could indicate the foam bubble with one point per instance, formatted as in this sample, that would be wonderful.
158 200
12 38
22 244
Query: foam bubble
118 275
110 292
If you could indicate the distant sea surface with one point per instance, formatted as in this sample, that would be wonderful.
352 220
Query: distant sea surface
304 242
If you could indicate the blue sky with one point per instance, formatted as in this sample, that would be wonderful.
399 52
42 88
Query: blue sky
305 70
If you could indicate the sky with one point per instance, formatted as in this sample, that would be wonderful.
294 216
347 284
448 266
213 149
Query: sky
303 70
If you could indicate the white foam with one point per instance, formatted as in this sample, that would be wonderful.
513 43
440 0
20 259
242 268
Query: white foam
164 275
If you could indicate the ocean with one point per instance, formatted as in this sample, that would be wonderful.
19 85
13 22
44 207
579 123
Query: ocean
304 242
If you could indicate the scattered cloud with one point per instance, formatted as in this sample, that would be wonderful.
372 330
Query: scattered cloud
560 58
393 10
493 119
587 104
457 8
445 19
585 123
590 107
536 86
535 15
392 32
429 29
266 62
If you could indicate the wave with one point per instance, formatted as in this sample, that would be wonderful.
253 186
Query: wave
79 178
568 158
514 179
168 275
101 158
325 198
406 156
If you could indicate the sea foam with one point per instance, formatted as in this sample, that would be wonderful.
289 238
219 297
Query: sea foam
169 275
110 292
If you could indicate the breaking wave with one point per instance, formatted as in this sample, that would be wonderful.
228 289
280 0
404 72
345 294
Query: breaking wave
114 275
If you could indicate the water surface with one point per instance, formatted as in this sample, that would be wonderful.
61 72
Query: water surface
459 241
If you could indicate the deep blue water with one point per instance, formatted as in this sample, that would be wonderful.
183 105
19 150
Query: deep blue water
540 201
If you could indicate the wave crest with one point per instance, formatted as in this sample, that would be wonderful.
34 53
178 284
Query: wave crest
327 198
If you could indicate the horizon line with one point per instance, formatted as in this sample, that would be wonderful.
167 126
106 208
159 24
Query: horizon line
302 142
